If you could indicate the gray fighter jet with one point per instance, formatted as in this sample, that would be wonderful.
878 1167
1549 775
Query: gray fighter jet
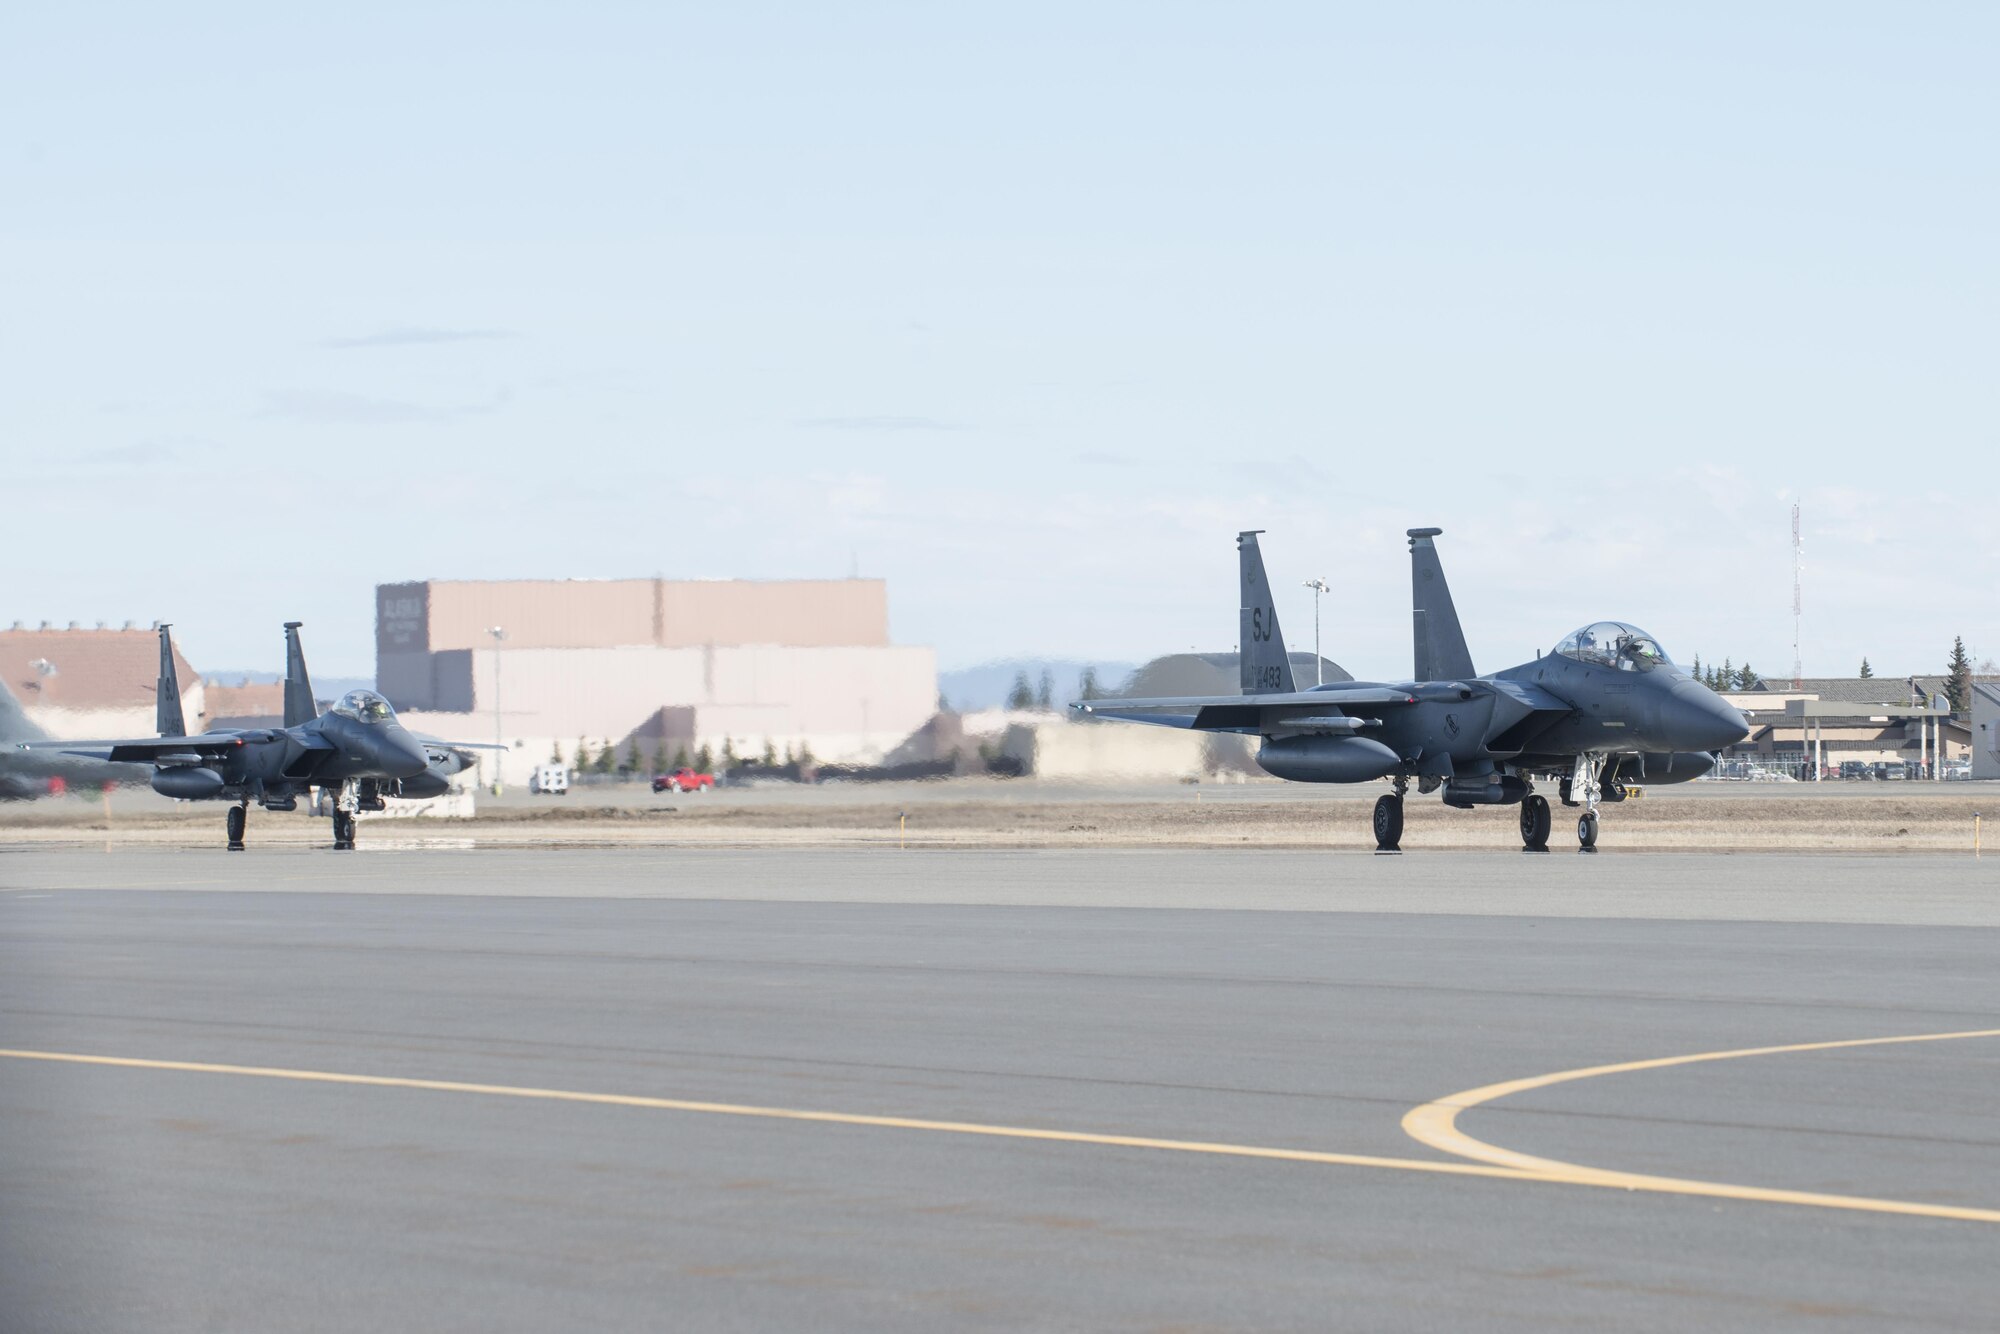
1604 713
356 753
24 777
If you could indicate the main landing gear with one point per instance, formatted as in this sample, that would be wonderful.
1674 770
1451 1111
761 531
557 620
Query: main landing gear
1535 823
239 817
1389 819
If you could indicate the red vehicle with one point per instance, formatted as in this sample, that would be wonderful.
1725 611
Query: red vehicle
683 780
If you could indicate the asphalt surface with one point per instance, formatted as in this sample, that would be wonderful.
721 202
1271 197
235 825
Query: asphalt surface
1285 1001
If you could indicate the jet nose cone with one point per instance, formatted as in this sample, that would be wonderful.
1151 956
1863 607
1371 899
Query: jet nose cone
400 754
1697 718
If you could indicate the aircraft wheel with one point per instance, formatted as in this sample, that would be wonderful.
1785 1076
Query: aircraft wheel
343 831
1388 823
1586 829
1535 823
238 818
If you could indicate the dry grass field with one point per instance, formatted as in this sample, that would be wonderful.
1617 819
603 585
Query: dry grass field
1708 817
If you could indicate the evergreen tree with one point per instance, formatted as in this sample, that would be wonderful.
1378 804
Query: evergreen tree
770 757
659 757
1045 693
805 755
791 757
555 754
1867 672
1695 670
1958 681
681 758
1726 678
582 754
1746 679
607 755
1022 696
1086 685
704 759
728 754
632 760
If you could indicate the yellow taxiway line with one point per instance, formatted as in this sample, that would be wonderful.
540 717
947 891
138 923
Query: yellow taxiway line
1487 1162
788 1114
1436 1124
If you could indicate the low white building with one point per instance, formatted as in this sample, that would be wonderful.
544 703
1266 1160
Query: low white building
76 684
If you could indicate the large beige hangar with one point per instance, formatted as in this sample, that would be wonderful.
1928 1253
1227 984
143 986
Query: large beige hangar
668 663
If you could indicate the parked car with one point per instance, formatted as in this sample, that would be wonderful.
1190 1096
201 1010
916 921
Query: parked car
549 780
683 780
1857 770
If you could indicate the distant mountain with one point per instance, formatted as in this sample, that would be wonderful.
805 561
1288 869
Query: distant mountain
987 685
326 687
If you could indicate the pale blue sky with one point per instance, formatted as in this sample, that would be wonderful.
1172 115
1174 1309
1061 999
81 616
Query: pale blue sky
1027 309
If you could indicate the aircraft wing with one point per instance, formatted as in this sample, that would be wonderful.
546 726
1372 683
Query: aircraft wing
1249 713
145 750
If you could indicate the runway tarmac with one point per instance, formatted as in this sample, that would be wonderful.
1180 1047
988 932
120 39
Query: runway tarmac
586 1089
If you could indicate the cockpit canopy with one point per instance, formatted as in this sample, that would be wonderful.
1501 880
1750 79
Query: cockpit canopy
1615 644
365 705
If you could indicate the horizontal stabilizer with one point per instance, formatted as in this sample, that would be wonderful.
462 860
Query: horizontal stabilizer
1139 716
1329 697
143 750
1293 711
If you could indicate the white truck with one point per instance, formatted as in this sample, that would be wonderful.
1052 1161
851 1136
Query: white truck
550 780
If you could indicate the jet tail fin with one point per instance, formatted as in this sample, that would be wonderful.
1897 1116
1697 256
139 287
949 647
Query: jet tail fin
1440 645
1265 663
300 706
167 702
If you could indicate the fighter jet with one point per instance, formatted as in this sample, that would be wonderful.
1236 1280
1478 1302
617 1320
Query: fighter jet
356 753
24 777
1604 713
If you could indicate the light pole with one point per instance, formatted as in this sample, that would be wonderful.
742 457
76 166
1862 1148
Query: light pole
500 755
1318 586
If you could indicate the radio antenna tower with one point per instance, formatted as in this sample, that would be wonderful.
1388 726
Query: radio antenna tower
1798 675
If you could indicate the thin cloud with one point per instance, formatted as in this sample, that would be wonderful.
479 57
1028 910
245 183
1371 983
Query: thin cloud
333 407
878 424
407 335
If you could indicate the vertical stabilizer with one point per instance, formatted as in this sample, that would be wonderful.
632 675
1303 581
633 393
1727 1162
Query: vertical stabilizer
1266 665
300 707
167 703
1441 652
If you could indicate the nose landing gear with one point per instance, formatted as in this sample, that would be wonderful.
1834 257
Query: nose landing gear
344 808
1584 783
